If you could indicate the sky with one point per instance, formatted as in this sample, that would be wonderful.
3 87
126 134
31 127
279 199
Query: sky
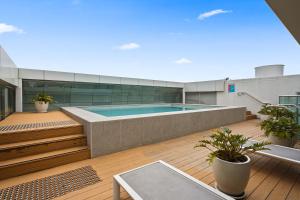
174 40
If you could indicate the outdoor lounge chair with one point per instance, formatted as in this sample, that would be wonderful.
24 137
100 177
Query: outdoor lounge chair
279 152
161 181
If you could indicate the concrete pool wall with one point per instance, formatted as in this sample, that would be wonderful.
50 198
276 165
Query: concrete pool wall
112 134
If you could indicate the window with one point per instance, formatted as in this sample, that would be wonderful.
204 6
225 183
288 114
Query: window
85 94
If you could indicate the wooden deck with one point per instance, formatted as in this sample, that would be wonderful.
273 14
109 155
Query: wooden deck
30 121
270 179
31 117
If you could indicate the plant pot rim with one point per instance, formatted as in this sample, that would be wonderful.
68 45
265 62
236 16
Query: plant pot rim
236 163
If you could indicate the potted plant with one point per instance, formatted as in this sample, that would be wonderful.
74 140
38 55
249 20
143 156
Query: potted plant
41 102
280 127
231 165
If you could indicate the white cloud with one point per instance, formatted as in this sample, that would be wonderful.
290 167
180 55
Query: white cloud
211 13
183 61
129 46
6 28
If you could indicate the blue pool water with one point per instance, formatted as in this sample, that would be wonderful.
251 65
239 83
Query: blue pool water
123 111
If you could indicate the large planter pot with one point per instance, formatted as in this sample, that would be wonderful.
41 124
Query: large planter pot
288 142
41 106
232 178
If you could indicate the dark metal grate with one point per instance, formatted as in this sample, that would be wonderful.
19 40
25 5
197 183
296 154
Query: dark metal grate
52 186
19 127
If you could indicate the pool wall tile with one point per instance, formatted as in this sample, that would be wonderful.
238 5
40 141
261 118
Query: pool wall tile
108 135
131 133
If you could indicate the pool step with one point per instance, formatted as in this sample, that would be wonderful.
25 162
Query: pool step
20 149
250 116
42 133
41 161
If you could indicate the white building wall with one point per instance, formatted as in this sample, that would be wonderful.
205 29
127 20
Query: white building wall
8 69
91 78
205 86
266 90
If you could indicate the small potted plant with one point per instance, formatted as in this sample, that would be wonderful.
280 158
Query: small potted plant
231 165
280 126
41 102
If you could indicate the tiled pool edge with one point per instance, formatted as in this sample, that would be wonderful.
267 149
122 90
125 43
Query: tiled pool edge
108 135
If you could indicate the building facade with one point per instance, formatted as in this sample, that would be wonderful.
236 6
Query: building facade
18 86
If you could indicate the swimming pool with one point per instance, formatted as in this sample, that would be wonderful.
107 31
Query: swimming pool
139 109
115 128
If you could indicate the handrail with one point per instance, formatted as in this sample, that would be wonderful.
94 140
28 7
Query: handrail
253 97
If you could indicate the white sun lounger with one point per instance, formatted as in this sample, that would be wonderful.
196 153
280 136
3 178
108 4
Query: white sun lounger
161 181
279 152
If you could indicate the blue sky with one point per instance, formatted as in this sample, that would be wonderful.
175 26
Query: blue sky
186 40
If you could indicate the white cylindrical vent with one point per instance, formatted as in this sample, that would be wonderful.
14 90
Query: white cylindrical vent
269 71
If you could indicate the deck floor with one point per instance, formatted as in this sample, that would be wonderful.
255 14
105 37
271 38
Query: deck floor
270 179
29 121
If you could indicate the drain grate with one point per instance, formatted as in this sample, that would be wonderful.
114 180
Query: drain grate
52 186
19 127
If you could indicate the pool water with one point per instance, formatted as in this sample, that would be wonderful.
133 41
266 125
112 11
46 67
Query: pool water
137 110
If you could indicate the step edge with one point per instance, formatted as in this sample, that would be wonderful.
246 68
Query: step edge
83 148
39 142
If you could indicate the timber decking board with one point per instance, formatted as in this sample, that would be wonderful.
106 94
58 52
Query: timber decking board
20 149
15 128
269 178
31 117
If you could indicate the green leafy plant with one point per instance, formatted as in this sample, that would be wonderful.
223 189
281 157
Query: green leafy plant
276 111
229 147
43 97
280 123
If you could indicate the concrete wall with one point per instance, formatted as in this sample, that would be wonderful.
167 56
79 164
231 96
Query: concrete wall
108 135
205 86
209 98
269 71
266 90
8 69
92 78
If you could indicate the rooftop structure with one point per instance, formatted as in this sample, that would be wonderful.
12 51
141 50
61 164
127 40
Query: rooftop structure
100 126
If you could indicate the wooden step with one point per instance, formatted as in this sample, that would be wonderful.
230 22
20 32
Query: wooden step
248 112
20 149
22 136
249 117
28 164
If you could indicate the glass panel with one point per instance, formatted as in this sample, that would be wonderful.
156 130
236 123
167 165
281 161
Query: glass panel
85 94
7 100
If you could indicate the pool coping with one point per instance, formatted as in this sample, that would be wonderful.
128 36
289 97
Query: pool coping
90 116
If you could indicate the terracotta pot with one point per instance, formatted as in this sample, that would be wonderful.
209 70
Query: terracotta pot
288 142
41 106
232 178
